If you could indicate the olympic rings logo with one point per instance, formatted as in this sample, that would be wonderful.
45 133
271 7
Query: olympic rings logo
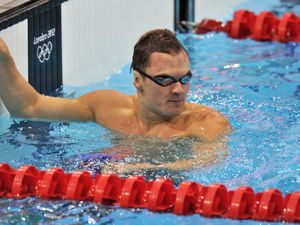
43 52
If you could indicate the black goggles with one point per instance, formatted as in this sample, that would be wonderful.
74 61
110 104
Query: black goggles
166 80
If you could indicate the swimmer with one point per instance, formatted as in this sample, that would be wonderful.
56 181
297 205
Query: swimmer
162 74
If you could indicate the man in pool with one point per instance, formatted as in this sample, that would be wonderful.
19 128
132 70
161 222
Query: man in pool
161 69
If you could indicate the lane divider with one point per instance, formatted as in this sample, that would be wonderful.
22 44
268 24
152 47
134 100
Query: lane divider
262 27
158 196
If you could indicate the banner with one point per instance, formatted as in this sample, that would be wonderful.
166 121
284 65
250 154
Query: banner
44 50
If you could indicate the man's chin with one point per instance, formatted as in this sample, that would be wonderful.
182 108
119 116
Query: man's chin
173 112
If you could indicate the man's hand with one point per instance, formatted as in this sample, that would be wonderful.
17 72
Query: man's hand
122 168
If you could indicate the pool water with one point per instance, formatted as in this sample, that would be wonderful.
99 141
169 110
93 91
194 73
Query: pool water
255 84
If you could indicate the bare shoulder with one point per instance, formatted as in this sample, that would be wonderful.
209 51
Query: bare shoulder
207 122
108 104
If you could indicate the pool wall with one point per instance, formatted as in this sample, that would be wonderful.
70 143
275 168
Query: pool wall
98 37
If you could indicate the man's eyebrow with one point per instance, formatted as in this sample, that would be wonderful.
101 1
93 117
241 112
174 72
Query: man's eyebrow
168 75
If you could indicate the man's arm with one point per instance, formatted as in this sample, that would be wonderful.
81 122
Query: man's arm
204 154
23 100
209 124
211 127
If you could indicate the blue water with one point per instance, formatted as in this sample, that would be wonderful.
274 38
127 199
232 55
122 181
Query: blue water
255 84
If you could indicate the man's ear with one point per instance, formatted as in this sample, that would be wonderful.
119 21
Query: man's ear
138 81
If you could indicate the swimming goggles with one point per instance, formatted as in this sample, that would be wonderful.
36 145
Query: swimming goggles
166 80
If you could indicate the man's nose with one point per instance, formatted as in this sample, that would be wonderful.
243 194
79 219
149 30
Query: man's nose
178 88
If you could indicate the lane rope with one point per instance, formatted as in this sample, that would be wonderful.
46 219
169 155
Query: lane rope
158 196
262 27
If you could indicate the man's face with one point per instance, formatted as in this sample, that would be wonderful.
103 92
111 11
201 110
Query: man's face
168 101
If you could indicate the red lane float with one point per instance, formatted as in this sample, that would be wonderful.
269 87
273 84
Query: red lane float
262 27
108 188
242 203
159 196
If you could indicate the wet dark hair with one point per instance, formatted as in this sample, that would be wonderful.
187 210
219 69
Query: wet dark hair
158 40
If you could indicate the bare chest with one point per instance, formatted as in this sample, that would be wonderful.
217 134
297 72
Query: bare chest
128 123
164 130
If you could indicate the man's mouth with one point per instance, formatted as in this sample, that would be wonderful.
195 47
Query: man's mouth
176 100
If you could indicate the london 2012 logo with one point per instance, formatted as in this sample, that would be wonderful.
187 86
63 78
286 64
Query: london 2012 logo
43 52
44 49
